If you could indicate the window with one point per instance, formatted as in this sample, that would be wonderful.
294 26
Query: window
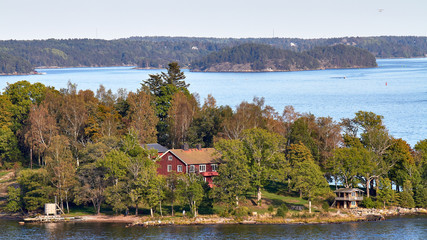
353 194
202 168
353 203
179 168
169 168
214 167
192 169
170 158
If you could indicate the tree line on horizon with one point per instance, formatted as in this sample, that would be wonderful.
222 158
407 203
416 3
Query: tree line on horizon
86 148
259 57
157 52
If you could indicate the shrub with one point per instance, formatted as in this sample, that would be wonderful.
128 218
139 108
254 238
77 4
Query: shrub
270 208
282 210
406 200
368 203
241 212
325 206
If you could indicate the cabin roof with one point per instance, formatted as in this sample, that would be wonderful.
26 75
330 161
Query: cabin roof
158 147
349 190
196 156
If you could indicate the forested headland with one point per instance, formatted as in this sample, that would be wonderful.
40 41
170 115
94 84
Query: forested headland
157 52
14 65
257 57
87 149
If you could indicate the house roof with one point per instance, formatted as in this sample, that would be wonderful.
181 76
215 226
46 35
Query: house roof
195 156
158 147
349 190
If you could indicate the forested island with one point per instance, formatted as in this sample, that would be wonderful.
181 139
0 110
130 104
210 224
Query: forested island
252 57
157 52
14 65
87 149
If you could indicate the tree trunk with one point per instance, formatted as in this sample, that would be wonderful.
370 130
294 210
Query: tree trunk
172 208
237 200
368 183
309 206
136 209
99 209
300 193
66 202
289 185
151 211
161 214
259 196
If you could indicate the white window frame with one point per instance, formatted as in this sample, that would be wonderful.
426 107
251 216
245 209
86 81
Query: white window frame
214 167
179 168
353 203
192 169
202 168
170 168
170 158
353 194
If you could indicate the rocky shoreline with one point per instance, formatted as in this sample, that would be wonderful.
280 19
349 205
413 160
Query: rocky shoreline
340 216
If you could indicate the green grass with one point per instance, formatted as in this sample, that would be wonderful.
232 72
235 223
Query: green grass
277 200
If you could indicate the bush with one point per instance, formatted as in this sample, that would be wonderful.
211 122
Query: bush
368 203
325 206
406 200
270 208
241 212
282 210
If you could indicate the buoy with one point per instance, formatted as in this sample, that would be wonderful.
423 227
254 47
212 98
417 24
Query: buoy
21 223
386 83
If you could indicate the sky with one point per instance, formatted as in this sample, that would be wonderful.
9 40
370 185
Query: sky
112 19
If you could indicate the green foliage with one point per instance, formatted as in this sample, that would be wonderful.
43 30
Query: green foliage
14 201
282 211
115 196
9 151
10 64
406 199
420 196
367 202
259 57
325 206
191 191
241 212
233 180
265 155
307 178
385 193
35 188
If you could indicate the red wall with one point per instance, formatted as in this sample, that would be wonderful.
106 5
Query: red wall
164 162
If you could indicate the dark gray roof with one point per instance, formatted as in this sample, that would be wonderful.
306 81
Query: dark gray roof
158 147
348 190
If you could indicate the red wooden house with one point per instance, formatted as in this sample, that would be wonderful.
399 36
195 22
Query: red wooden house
199 160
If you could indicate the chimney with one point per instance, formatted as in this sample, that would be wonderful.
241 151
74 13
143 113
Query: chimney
185 147
199 146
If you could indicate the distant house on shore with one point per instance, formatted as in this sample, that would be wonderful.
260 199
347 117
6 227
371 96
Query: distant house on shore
348 198
203 161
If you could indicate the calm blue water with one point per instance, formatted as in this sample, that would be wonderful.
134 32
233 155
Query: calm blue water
399 228
397 89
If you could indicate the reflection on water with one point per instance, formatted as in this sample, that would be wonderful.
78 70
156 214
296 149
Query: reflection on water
399 228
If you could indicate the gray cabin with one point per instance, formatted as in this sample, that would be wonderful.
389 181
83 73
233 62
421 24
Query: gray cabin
348 197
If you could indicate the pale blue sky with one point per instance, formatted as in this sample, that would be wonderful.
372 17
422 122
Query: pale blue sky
110 19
